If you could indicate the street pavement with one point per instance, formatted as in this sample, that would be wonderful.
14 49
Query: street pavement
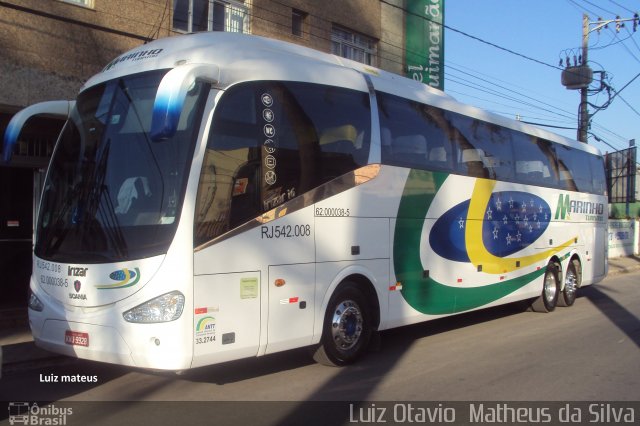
20 352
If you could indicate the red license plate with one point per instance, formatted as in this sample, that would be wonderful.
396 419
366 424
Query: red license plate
76 338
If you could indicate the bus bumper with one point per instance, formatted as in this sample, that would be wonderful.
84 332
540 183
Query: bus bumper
106 337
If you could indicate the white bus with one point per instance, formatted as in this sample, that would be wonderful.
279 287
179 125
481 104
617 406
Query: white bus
217 196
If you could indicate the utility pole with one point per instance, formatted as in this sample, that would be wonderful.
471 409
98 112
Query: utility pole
583 118
631 176
579 75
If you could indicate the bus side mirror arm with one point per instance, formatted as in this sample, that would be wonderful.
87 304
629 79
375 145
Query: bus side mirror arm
171 96
58 109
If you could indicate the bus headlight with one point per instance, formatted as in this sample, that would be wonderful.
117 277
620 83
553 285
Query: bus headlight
35 303
167 307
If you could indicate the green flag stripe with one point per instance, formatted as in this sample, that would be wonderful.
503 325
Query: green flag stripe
425 294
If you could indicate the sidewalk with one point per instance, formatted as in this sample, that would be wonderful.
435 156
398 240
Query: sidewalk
16 342
19 350
621 265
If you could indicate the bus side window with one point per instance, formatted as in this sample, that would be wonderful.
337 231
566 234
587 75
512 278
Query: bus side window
530 171
385 142
486 149
575 171
472 162
338 147
566 180
535 160
410 150
413 134
438 156
597 174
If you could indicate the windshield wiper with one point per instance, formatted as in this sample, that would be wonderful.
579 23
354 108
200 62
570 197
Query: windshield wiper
99 203
125 90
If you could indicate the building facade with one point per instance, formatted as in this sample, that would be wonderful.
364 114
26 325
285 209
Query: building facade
49 48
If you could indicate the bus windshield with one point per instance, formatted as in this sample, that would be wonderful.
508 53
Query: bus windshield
112 194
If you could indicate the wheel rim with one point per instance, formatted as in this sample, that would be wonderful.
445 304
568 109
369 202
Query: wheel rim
346 325
550 288
570 283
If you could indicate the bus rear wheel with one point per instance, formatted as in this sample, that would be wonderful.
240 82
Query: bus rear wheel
548 300
347 327
571 284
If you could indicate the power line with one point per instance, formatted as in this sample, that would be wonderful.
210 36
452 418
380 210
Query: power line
612 43
515 92
515 109
610 132
629 105
629 51
502 83
596 137
464 82
599 7
616 93
404 50
155 34
486 42
582 8
494 92
450 28
632 39
619 5
548 125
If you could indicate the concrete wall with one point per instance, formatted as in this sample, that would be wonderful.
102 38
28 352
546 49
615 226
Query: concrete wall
623 237
391 47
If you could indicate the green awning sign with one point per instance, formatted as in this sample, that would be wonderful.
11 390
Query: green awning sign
424 41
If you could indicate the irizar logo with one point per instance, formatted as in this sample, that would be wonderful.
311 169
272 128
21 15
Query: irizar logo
77 272
566 207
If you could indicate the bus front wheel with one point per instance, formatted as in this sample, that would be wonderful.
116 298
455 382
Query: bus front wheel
548 300
347 327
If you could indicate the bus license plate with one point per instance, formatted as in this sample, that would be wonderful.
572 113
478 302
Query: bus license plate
76 338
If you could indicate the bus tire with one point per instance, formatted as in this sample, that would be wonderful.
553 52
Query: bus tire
548 299
571 284
347 327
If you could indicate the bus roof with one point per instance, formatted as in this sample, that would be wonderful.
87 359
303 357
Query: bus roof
242 57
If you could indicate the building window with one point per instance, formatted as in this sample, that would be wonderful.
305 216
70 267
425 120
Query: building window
351 45
298 19
210 15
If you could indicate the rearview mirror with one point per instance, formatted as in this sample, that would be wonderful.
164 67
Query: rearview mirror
171 96
58 109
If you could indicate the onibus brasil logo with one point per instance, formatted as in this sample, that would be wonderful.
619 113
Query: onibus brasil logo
31 414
